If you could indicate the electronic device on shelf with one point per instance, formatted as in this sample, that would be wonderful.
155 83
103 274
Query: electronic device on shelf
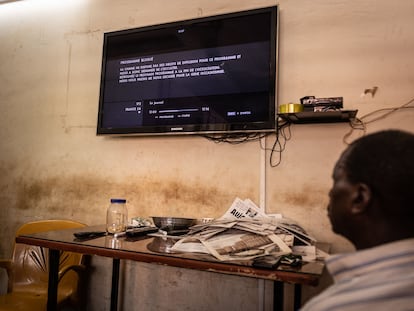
214 74
319 110
311 103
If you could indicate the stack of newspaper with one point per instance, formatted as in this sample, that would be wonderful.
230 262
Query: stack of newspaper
244 232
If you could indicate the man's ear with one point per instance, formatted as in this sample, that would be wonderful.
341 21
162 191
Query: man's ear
360 199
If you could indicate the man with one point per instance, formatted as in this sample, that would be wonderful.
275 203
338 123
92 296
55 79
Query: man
372 205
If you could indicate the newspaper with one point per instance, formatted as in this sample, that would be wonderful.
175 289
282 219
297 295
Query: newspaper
244 209
243 232
235 245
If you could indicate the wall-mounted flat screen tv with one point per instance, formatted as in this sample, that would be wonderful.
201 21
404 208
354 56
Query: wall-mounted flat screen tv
214 74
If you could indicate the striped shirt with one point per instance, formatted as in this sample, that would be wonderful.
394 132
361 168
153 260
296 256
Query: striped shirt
379 278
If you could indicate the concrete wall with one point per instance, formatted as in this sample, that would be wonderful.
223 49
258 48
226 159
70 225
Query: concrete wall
52 165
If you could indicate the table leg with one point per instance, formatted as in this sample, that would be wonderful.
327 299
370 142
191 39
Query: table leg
53 279
297 297
278 295
115 284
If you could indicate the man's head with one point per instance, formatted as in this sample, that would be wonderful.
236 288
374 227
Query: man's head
372 198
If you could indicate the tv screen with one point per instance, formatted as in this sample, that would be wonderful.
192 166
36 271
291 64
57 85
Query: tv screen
208 75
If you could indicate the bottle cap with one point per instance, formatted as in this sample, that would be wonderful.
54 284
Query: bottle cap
118 201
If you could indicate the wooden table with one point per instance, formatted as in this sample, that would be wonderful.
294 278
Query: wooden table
144 249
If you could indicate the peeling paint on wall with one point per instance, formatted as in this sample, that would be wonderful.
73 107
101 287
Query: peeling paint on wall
86 197
304 195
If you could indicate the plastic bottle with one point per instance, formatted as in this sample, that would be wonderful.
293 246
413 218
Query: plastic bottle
116 216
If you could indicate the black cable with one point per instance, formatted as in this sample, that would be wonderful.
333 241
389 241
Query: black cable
283 134
236 138
361 123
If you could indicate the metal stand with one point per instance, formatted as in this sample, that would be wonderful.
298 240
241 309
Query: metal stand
297 297
115 284
53 279
278 295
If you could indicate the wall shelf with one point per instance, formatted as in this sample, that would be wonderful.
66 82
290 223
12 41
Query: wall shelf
319 116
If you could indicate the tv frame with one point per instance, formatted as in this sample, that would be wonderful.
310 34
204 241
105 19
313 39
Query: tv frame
201 129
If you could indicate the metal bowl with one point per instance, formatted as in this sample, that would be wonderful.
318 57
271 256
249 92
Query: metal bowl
173 223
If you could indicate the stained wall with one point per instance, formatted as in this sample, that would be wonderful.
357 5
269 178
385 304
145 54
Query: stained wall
52 164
